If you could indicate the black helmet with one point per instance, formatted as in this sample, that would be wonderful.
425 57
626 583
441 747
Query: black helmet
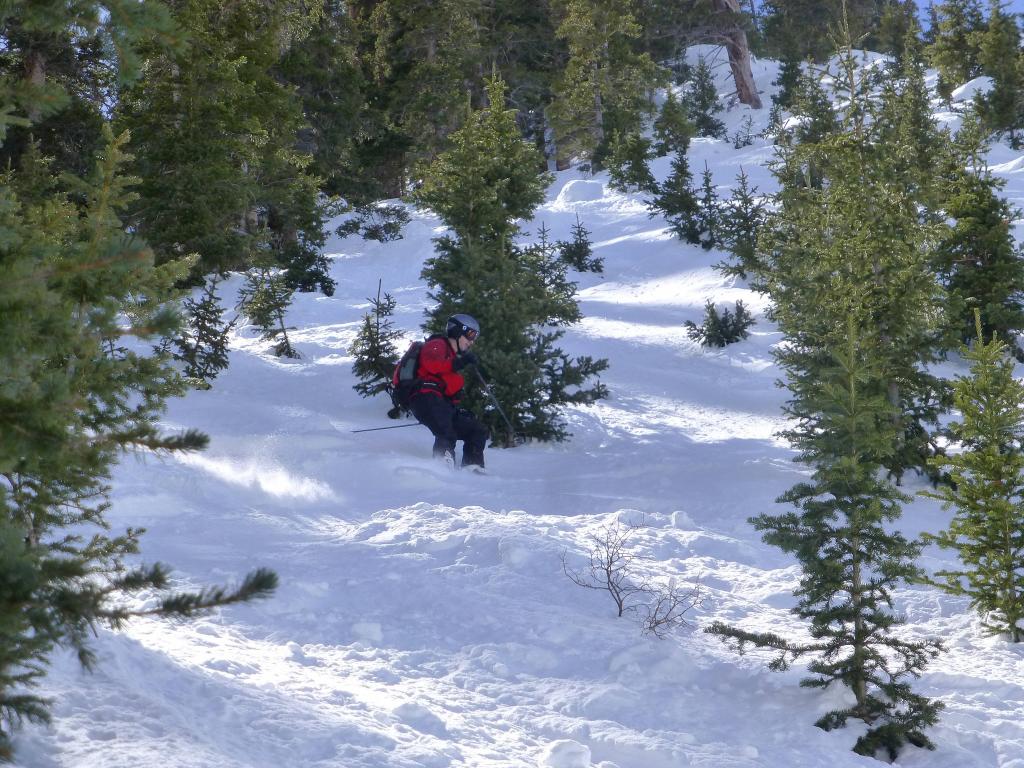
462 325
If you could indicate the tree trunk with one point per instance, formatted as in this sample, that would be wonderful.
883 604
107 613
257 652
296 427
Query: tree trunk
739 56
35 75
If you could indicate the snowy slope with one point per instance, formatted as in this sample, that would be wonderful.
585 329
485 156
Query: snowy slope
424 619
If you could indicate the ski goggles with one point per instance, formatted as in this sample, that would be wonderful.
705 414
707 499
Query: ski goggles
471 334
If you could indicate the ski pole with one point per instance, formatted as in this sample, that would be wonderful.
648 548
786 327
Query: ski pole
378 429
487 391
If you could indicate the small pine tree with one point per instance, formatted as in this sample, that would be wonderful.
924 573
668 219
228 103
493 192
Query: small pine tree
577 252
787 82
701 102
954 50
1002 108
986 489
265 298
676 201
977 259
744 135
673 129
374 221
203 346
850 559
709 214
627 164
744 217
721 329
374 347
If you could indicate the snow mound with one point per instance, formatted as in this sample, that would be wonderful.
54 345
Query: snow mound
566 754
979 86
580 191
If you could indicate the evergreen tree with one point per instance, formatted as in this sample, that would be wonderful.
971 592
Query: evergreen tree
1002 108
741 224
672 128
676 201
787 81
374 347
577 252
986 489
897 24
977 260
701 102
906 120
418 58
519 41
627 164
814 105
81 293
215 133
265 299
328 77
863 220
955 51
521 296
60 69
606 85
803 29
719 329
708 220
203 344
850 561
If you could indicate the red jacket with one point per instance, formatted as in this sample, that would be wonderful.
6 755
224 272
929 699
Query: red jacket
435 368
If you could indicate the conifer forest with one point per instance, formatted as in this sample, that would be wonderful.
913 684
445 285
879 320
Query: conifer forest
175 171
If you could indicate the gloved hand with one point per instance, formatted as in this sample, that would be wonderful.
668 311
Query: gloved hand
463 359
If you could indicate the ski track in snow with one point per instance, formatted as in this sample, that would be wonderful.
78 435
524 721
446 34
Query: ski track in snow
424 619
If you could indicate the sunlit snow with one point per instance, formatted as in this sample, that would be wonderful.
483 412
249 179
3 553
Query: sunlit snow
424 619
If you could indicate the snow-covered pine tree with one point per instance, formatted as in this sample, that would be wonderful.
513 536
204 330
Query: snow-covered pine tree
986 489
373 349
851 560
701 102
487 180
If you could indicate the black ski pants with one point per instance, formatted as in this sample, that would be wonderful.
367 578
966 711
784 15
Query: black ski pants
449 423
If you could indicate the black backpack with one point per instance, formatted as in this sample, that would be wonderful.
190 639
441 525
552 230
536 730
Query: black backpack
404 383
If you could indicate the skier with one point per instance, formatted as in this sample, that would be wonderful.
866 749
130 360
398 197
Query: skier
435 404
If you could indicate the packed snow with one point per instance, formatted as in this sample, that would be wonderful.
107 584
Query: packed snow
424 619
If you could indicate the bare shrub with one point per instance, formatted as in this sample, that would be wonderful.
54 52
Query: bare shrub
659 608
667 607
609 568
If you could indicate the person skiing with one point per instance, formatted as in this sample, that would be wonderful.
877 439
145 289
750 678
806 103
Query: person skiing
435 404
